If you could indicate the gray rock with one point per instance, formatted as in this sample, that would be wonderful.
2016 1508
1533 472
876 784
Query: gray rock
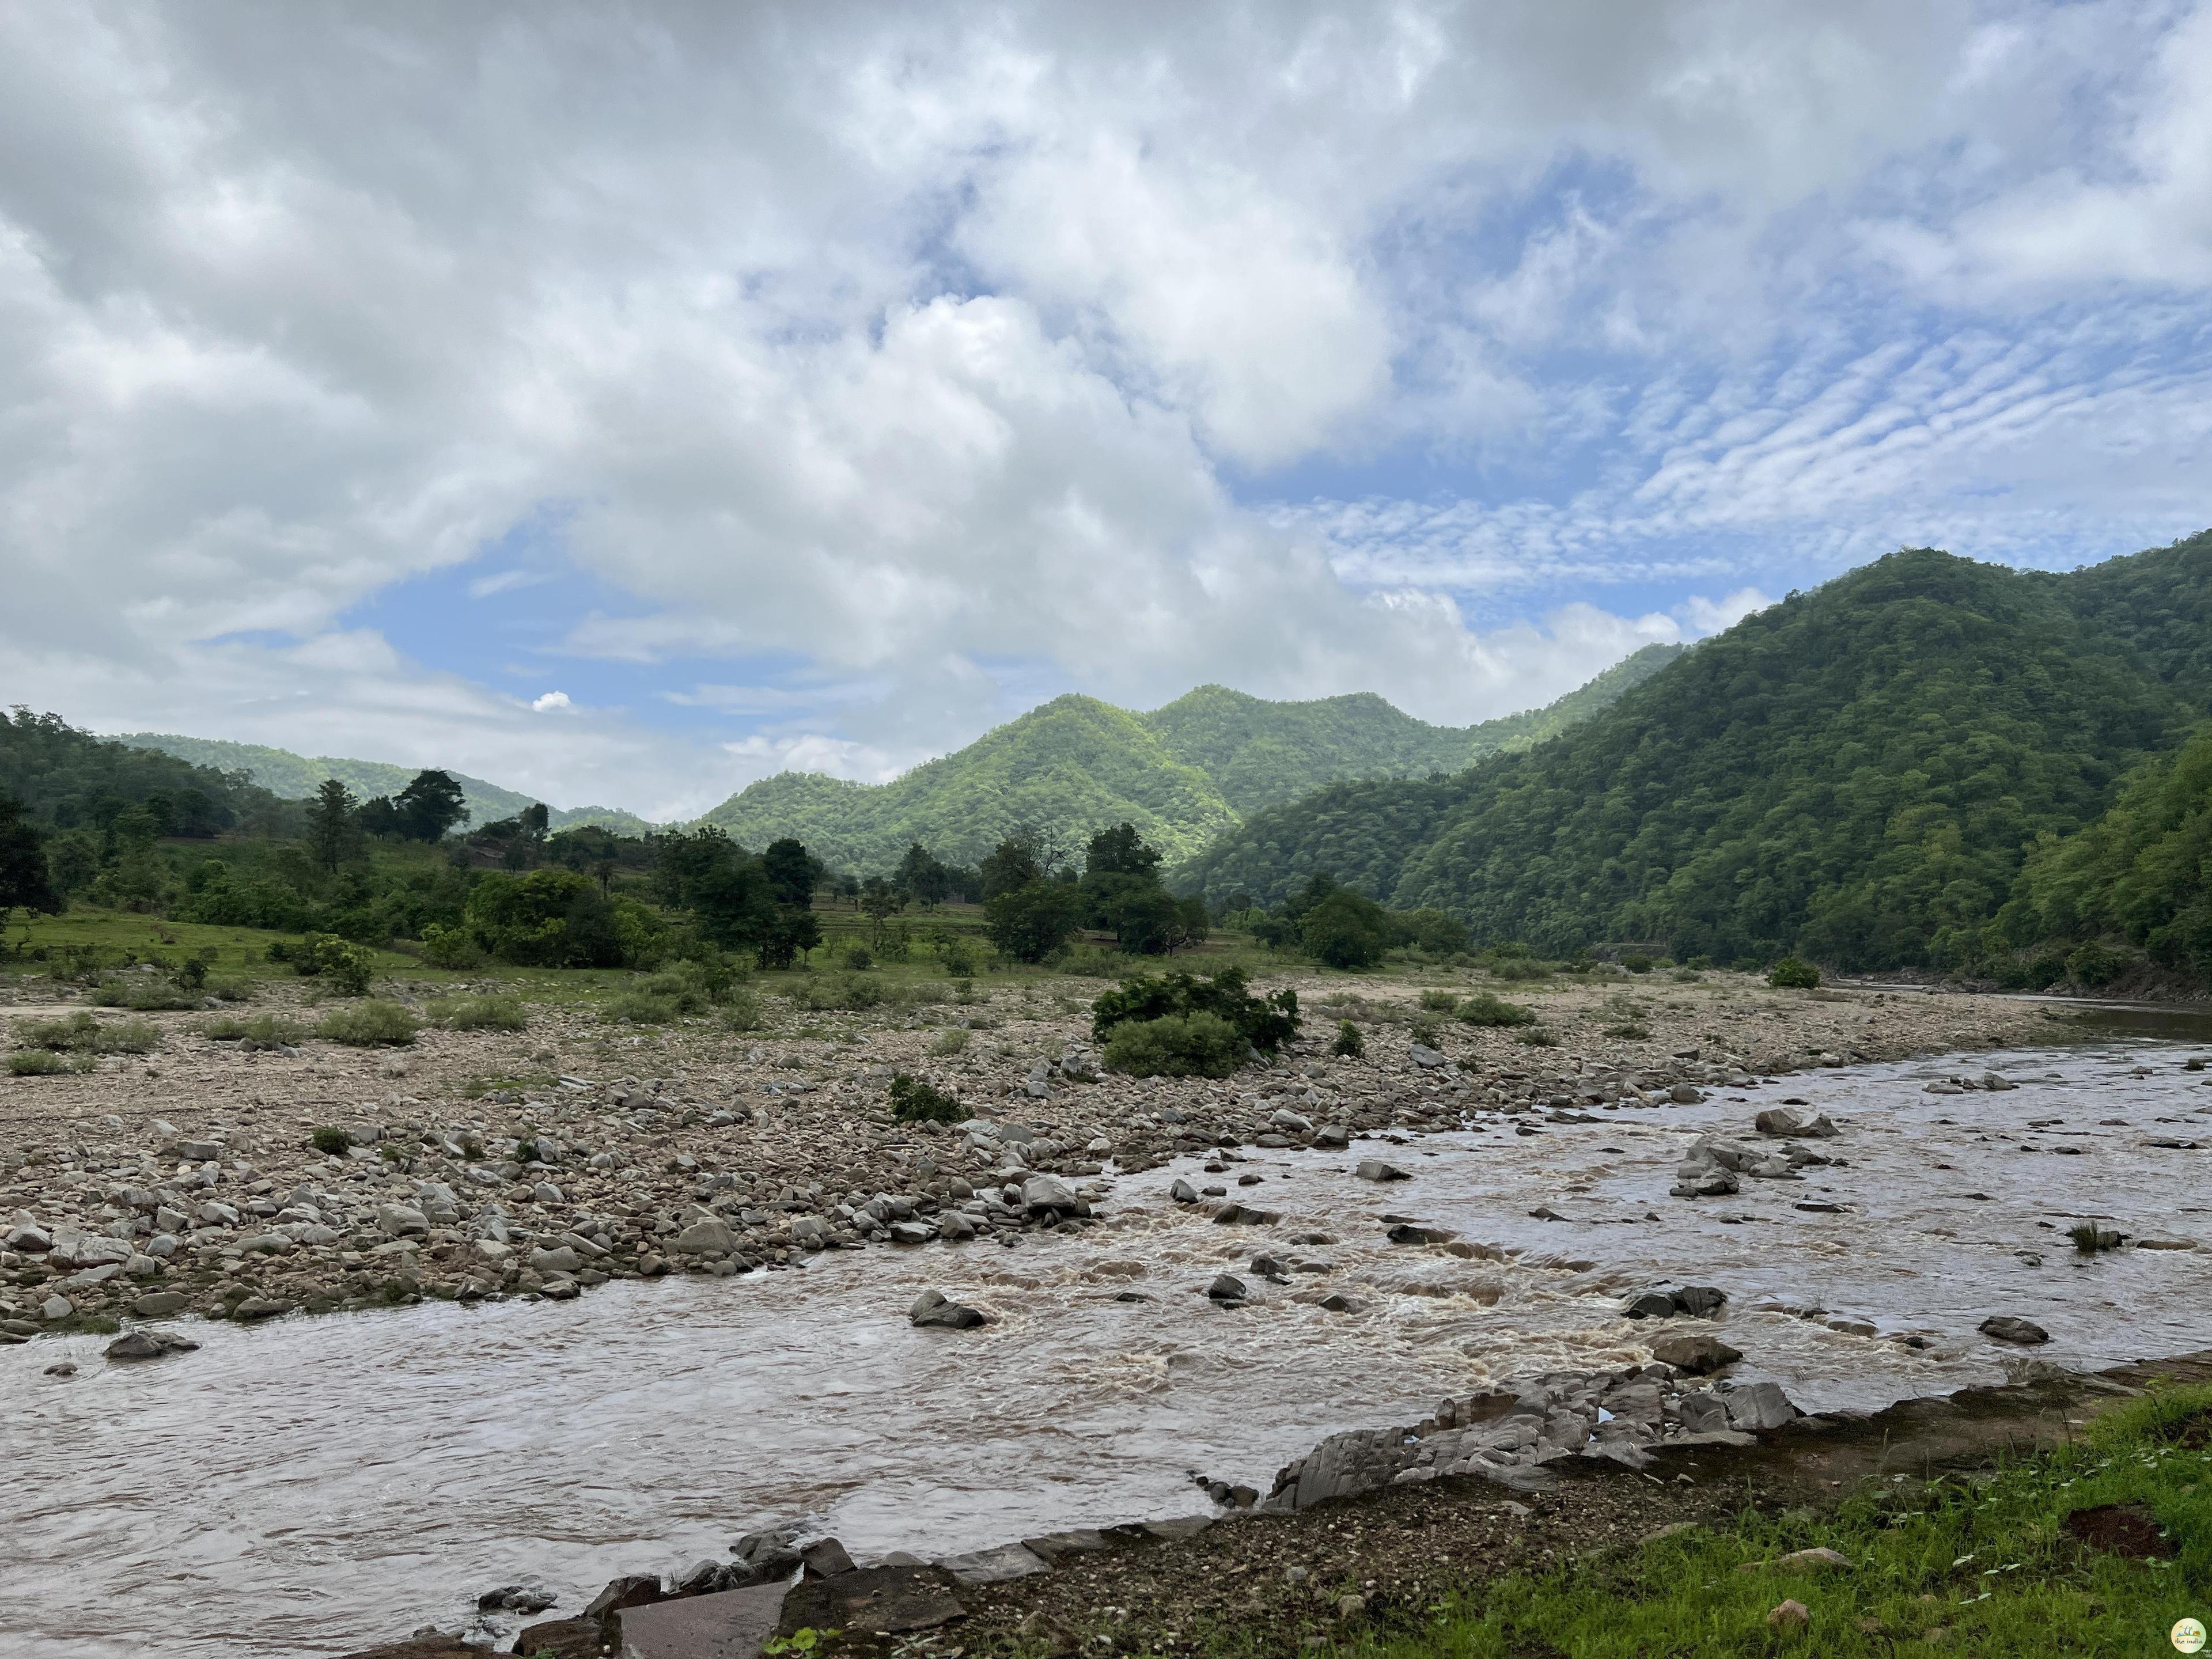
1426 1058
2008 1327
909 1232
1758 1405
934 1310
1698 1355
149 1345
993 1566
256 1307
1649 1304
1332 1136
1781 1122
57 1307
1700 1301
954 1227
1044 1192
403 1221
1374 1169
826 1558
161 1304
561 1261
705 1238
1226 1287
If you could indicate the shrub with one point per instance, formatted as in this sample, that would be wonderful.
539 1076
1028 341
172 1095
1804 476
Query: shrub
1349 1044
742 1011
857 957
2094 966
2089 1238
1792 975
145 994
230 990
1520 969
271 1031
370 1024
1265 1024
914 1100
1201 1044
75 1031
1439 1001
43 1062
480 1013
451 947
1630 1032
958 957
1637 962
1345 930
1537 1037
1486 1008
639 1008
949 1042
1426 1032
330 1141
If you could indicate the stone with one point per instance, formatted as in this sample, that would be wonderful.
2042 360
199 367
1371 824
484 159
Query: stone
526 1596
57 1307
909 1232
1790 1616
1332 1136
893 1599
1044 1192
824 1558
1759 1406
705 1238
955 1228
1337 1301
1374 1169
1426 1058
1226 1287
256 1307
560 1260
1649 1304
1182 1192
1245 1215
1699 1355
634 1589
2007 1327
934 1310
1405 1232
772 1553
402 1221
149 1344
161 1304
1700 1301
560 1638
1818 1559
1782 1122
993 1566
728 1624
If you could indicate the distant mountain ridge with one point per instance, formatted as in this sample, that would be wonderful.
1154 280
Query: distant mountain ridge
294 777
1858 773
1183 774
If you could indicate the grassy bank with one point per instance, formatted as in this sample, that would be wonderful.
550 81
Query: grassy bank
1981 1564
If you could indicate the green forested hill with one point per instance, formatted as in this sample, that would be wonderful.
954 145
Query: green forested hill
71 779
1857 772
295 777
1182 773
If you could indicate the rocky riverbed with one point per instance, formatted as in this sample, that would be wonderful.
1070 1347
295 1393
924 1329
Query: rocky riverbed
482 1166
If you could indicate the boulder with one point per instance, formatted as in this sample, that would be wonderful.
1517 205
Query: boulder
1226 1287
1699 1355
161 1304
1044 1192
402 1221
1780 1121
826 1558
934 1310
2008 1327
1700 1301
705 1238
1332 1136
149 1344
1182 1192
1374 1169
1758 1405
1649 1304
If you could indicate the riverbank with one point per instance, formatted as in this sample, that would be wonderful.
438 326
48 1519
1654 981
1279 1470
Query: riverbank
483 1164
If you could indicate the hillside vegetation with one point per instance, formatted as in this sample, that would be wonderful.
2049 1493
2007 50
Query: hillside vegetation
1182 774
1858 773
295 777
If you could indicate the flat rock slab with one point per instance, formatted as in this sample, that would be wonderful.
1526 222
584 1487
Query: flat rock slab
421 1647
993 1566
728 1624
881 1600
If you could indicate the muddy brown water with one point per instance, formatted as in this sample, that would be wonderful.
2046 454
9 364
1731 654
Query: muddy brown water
304 1486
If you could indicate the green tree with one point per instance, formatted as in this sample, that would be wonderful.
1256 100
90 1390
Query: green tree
1029 922
1014 862
793 872
1345 930
26 883
879 903
334 831
1120 851
430 805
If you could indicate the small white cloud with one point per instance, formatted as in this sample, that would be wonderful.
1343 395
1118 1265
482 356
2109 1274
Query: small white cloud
505 581
1705 616
551 700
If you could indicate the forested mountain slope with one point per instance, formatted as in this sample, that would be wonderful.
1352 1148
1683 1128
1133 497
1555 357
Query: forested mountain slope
1858 771
1182 773
71 779
295 777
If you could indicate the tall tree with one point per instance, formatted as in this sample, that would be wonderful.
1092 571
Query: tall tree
25 881
332 824
430 805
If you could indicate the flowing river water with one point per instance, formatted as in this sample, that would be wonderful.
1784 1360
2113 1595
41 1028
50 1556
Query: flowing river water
308 1485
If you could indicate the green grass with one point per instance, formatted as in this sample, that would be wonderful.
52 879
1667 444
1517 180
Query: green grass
1984 1564
83 1033
44 1062
262 1031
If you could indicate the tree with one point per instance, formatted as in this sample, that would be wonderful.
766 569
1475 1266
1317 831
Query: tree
1016 862
25 881
1120 851
879 903
333 829
430 806
922 879
1031 921
1345 930
793 872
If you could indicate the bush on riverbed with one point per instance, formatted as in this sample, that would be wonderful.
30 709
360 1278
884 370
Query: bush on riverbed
370 1024
82 1033
1177 1045
1487 1008
1265 1023
1349 1044
914 1100
480 1013
330 1141
44 1062
1792 975
263 1031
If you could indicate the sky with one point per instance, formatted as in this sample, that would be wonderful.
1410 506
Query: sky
624 403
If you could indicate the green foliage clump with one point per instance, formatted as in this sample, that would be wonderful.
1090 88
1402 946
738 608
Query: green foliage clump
263 1031
914 1100
1201 1044
330 1141
639 1008
740 1011
345 967
367 1025
43 1062
1345 930
1265 1023
1637 962
2094 966
1439 1001
480 1013
82 1033
452 948
1791 975
1349 1044
949 1041
145 994
1031 921
1486 1008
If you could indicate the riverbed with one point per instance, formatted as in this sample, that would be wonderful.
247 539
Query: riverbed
306 1485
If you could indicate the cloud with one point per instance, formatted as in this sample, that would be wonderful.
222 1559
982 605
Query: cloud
883 370
550 701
